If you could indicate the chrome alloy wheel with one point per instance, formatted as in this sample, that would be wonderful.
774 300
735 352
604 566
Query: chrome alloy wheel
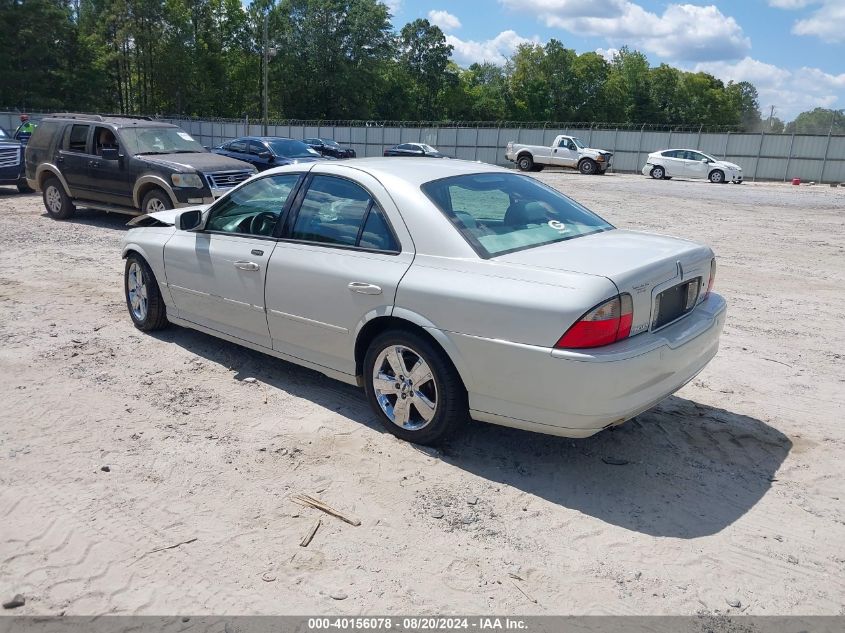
54 199
154 205
404 387
136 289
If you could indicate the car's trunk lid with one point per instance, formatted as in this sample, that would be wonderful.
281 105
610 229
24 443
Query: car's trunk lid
641 264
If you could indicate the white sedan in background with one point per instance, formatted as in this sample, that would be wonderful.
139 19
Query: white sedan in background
690 163
448 290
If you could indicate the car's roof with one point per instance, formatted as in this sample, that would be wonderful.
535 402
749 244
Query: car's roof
414 171
263 138
117 121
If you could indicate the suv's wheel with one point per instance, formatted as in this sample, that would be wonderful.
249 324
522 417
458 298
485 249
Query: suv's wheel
23 186
56 201
587 166
413 387
525 162
658 173
717 176
143 298
154 201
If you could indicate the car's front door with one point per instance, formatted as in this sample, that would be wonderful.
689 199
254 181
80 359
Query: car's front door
74 158
565 154
339 262
110 180
216 275
697 165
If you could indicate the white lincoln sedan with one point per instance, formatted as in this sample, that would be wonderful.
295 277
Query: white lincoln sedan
448 290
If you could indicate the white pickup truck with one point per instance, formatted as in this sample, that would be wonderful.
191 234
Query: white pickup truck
566 151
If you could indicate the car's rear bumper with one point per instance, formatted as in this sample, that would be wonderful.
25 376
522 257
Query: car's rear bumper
646 170
577 393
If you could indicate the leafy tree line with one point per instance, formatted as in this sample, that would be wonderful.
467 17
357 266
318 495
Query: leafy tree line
329 59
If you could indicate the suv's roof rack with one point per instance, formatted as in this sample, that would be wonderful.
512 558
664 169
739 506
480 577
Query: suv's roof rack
98 117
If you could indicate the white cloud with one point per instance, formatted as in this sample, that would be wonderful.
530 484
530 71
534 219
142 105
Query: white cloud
495 50
445 20
826 22
608 53
683 32
790 91
394 6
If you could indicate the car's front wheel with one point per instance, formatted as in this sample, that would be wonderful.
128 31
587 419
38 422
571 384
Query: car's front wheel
143 298
56 201
156 200
413 387
658 173
587 167
525 163
717 176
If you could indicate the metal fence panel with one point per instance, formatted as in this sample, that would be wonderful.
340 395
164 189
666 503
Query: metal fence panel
762 156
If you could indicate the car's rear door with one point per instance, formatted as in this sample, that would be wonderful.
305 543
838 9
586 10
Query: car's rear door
74 158
216 275
342 254
672 163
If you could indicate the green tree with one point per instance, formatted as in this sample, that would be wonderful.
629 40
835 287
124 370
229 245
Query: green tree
424 56
818 121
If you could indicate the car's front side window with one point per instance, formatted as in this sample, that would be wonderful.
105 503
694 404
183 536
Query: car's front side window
253 209
338 211
502 213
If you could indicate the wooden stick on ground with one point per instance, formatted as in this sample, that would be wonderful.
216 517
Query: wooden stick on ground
307 538
307 500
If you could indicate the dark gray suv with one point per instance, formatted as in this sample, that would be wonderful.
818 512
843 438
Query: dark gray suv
124 164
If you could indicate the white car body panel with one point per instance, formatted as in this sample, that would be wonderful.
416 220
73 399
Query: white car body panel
497 319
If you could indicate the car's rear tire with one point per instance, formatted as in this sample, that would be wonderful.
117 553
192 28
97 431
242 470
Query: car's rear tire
525 162
155 200
402 366
587 167
23 186
56 201
716 176
658 173
143 297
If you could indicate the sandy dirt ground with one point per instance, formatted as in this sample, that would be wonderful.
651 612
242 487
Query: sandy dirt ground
731 491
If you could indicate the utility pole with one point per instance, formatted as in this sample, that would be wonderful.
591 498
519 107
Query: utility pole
266 60
771 116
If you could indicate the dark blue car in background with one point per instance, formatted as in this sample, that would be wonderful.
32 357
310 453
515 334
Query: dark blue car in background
268 151
12 170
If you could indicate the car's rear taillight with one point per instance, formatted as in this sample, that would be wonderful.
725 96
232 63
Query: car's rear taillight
603 325
712 279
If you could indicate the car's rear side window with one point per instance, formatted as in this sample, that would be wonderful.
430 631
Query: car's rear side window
499 213
77 140
338 211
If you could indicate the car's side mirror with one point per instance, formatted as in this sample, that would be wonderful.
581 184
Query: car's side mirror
110 153
705 160
189 220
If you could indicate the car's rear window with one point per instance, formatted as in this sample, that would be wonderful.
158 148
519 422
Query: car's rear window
499 213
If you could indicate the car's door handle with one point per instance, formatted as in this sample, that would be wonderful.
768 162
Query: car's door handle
364 288
247 266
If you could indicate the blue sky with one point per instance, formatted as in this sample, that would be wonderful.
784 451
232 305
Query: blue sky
792 50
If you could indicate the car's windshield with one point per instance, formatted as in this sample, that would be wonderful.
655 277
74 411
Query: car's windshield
330 142
428 148
503 213
290 148
158 140
578 142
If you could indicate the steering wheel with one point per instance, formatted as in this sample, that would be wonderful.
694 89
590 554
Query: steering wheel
262 223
